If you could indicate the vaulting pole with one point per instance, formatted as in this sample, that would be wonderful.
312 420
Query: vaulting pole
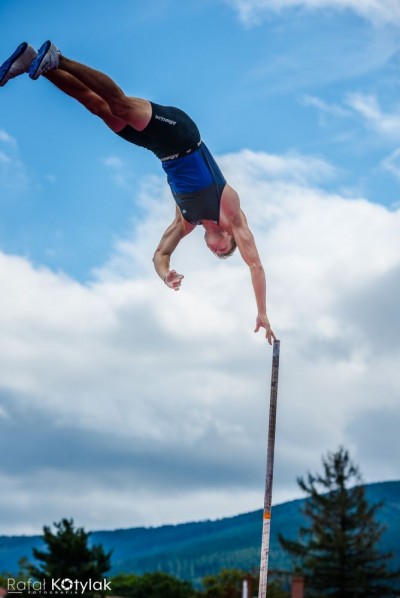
262 592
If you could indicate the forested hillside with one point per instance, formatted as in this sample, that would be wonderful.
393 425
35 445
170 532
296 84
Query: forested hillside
193 550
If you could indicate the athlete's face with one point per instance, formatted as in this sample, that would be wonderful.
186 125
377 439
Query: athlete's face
218 242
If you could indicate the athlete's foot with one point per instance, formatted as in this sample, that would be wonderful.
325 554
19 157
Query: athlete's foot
46 60
18 63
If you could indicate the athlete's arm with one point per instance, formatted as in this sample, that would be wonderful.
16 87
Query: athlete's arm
248 250
178 229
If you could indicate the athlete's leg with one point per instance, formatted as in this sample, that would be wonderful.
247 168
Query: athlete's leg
134 111
93 102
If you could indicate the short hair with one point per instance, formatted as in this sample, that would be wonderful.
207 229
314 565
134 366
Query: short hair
223 256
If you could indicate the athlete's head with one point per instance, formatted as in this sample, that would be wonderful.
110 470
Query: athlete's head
223 255
221 243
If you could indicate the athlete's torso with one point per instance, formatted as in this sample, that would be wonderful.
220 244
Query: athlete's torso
194 177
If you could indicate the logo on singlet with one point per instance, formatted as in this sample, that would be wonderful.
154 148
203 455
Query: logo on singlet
165 120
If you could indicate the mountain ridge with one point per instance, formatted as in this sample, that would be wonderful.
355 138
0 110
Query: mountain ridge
195 549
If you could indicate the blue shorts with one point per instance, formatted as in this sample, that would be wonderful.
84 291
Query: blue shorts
197 184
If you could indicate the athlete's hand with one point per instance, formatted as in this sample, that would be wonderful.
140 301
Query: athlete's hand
173 280
263 322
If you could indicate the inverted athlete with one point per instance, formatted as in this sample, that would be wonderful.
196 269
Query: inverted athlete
201 193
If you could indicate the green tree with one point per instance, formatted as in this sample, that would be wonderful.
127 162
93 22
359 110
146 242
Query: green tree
69 556
338 550
228 583
275 589
151 585
7 578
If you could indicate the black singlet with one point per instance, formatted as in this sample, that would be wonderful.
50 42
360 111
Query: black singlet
169 133
194 177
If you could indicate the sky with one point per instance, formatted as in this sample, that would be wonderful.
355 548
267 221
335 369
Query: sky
125 404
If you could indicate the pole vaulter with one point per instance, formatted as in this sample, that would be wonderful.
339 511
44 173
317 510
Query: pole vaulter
202 195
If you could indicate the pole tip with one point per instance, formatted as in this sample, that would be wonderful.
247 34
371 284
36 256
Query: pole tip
275 348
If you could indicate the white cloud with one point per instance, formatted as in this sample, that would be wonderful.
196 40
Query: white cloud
156 401
12 171
7 138
392 163
120 174
317 61
3 413
114 162
50 178
325 107
368 107
252 12
291 167
4 158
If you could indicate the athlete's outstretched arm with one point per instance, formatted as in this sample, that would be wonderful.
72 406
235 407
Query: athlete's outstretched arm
248 250
178 229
